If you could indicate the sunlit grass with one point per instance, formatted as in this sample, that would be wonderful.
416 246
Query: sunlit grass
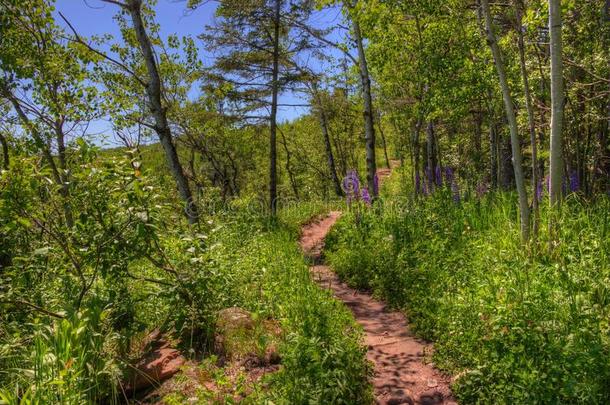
515 323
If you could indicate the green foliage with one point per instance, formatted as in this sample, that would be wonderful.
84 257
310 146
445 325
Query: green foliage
516 325
130 264
68 362
322 359
95 252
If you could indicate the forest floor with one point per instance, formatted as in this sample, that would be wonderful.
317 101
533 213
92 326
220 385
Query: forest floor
403 373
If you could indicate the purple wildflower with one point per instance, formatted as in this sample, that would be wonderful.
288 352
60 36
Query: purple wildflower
417 183
351 186
366 197
438 176
574 181
425 190
449 175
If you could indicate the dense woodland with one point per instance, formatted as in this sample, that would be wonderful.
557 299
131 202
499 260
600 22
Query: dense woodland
492 233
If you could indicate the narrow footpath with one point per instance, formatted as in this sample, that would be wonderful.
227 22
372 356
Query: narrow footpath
401 374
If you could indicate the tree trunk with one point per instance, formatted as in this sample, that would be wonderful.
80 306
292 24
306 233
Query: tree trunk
383 141
512 122
29 126
530 120
439 156
542 100
329 156
45 148
63 173
478 137
327 145
604 133
505 166
291 176
493 155
557 98
5 152
162 128
602 162
416 155
369 127
431 161
273 123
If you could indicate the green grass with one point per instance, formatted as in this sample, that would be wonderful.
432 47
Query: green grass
322 359
244 259
517 324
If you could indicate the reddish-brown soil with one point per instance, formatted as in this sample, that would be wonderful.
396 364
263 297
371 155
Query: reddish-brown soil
384 172
402 374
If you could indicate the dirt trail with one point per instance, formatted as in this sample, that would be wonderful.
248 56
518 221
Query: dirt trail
384 172
401 375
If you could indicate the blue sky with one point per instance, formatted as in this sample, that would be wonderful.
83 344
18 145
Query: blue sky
94 17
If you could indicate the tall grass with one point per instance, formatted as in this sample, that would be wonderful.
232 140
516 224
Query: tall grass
516 324
68 363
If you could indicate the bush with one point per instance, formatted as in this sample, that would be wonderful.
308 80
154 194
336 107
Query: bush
76 301
516 324
70 363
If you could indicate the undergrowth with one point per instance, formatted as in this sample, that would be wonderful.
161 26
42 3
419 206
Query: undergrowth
515 324
77 303
322 360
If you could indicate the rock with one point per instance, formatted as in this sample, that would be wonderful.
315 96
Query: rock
239 336
231 324
234 318
160 362
272 356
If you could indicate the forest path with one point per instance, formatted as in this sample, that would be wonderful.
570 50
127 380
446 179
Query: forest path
401 373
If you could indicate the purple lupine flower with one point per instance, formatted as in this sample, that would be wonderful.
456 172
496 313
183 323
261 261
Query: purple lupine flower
481 189
351 186
449 174
376 184
438 176
574 181
366 197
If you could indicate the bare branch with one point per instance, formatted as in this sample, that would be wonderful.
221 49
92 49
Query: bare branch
34 307
77 38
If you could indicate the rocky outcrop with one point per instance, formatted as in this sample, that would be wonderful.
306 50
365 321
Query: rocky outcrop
159 362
